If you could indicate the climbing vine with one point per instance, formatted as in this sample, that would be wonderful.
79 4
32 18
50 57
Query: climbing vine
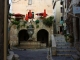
37 22
48 21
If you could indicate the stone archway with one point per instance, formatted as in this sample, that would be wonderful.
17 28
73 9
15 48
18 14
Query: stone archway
23 35
42 36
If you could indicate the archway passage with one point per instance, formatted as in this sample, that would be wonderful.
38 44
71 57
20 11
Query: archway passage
23 35
42 36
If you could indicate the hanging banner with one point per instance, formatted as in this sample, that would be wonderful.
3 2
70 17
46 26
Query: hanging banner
76 10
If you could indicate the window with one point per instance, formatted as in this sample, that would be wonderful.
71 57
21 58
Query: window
61 9
61 2
62 18
32 14
29 2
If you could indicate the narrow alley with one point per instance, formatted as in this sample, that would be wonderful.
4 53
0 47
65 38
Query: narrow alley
64 51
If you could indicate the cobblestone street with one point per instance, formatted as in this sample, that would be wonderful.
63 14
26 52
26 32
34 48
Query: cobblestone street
38 54
64 51
32 54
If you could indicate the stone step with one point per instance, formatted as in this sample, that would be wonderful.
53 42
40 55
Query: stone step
76 57
62 44
63 54
60 47
66 50
59 39
78 53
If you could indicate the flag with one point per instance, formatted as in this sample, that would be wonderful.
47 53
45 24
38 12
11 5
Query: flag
29 14
44 14
26 18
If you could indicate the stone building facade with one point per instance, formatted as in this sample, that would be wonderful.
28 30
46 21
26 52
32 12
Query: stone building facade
58 15
41 36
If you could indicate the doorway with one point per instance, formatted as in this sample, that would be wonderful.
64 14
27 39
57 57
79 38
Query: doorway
42 36
23 35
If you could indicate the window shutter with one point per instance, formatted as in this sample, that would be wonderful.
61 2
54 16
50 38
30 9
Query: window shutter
32 14
29 2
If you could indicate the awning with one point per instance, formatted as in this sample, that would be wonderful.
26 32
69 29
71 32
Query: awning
18 15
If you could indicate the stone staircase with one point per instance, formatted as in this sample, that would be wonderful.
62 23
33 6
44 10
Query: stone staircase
63 47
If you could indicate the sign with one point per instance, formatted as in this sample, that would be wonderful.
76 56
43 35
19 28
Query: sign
76 10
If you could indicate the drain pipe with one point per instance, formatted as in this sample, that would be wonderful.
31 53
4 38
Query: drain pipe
5 29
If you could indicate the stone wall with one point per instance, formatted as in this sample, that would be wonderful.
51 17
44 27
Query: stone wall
14 31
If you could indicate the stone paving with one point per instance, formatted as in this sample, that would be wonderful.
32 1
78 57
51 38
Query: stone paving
32 54
38 54
62 58
63 52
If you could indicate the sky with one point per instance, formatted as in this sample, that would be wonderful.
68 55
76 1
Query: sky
10 6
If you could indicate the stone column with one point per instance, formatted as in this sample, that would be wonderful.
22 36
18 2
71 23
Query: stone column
3 17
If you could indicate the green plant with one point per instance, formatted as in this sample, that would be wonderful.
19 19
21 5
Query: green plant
66 37
9 15
24 24
30 26
15 22
18 26
37 21
27 27
48 21
71 38
37 26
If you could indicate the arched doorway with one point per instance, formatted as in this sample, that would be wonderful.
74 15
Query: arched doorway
23 35
42 36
